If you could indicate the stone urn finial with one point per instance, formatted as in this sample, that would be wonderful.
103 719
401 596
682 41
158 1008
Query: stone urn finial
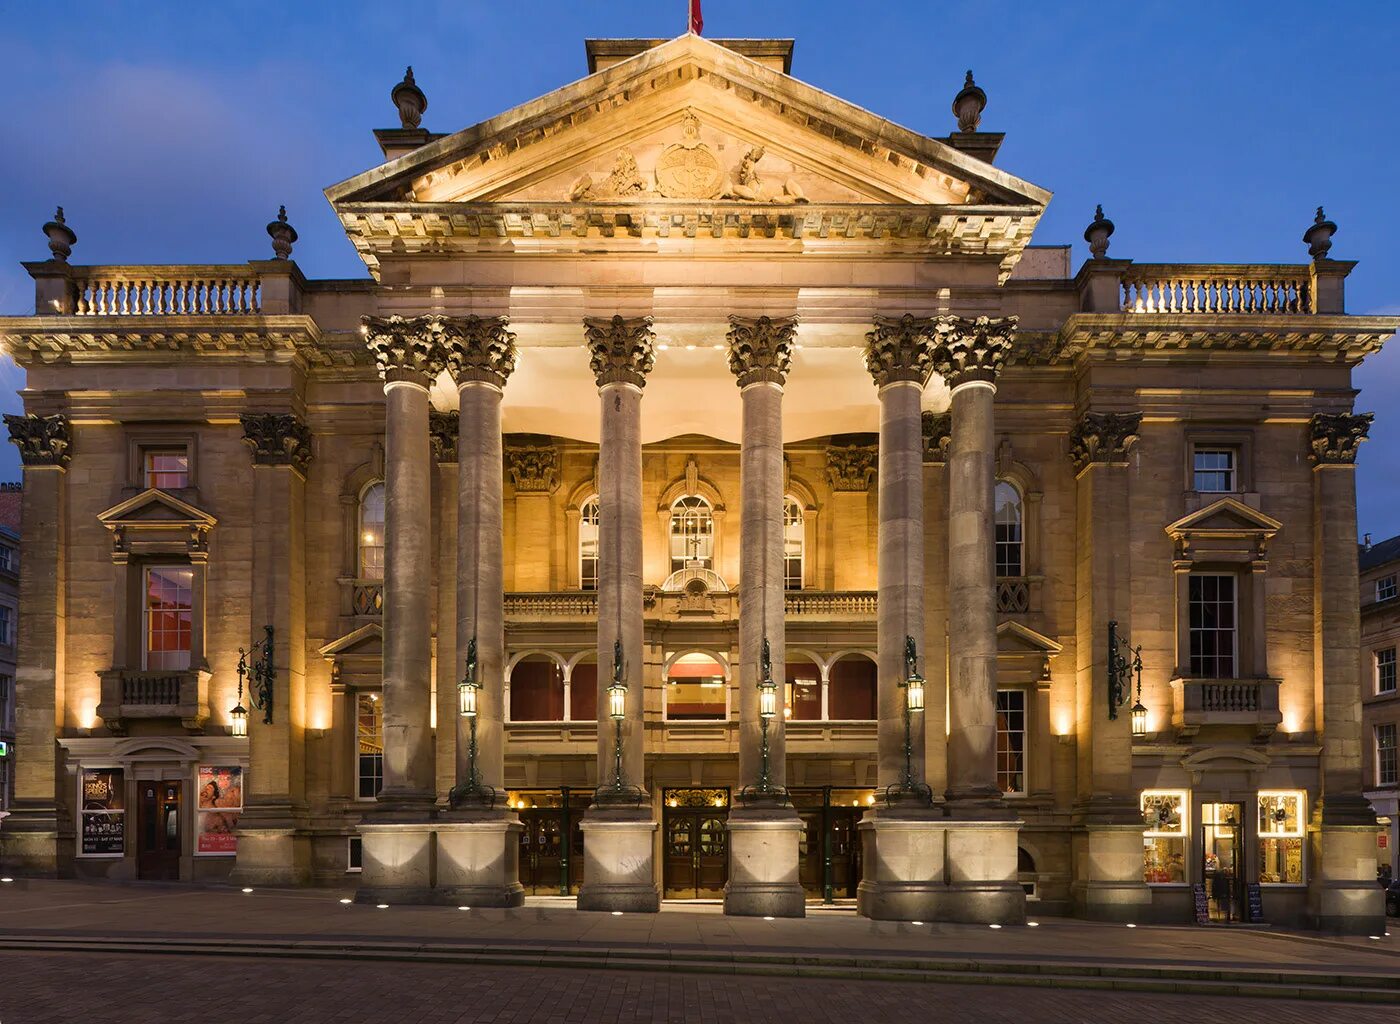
283 234
61 237
410 101
1319 236
1096 234
968 105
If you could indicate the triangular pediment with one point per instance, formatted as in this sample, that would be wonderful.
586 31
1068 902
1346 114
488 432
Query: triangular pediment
1227 517
154 508
678 122
365 642
1017 638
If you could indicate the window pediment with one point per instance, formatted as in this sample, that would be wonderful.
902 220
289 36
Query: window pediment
155 522
1226 530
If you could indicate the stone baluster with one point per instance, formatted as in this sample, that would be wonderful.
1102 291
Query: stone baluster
764 830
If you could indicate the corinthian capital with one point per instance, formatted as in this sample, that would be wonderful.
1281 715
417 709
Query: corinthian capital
973 349
851 467
900 349
41 440
760 348
405 348
1104 437
1333 438
478 348
533 469
938 435
442 434
277 439
621 350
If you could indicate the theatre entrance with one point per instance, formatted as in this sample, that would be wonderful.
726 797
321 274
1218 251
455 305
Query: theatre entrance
829 854
551 846
158 832
695 840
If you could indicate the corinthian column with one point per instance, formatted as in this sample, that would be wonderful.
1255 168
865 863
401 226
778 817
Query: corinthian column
398 843
618 828
765 830
478 843
982 835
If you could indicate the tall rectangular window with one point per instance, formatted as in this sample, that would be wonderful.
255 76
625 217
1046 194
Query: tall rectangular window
1385 670
1386 588
1008 523
1281 832
7 703
169 615
369 746
1214 469
7 624
588 545
9 558
1213 626
1387 770
1011 741
166 468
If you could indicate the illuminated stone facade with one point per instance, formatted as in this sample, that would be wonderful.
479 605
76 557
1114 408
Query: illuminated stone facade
684 377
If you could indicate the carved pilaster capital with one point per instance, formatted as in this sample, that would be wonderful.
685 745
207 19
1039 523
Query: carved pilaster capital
938 434
1104 437
1333 439
973 348
851 467
900 349
277 439
621 350
760 348
442 434
405 348
533 469
41 440
479 348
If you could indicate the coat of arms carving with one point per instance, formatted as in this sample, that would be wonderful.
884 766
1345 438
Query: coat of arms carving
687 169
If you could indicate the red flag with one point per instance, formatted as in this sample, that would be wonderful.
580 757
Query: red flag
697 20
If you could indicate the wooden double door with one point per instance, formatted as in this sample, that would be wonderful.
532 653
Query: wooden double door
159 830
551 851
695 860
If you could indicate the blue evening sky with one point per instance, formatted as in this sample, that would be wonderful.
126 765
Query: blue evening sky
171 131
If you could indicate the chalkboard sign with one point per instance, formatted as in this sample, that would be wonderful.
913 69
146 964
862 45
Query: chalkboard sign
1202 907
1254 909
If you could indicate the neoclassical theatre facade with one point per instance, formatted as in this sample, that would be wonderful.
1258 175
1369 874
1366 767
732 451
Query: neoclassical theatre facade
709 493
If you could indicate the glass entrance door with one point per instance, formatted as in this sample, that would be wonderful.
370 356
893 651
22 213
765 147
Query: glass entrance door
1222 827
829 853
551 846
159 841
540 852
695 862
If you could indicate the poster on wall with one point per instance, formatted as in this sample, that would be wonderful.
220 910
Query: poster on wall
103 812
220 802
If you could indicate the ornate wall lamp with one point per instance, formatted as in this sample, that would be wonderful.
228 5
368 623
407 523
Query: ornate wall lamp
909 788
261 676
619 792
1125 662
238 717
764 790
471 791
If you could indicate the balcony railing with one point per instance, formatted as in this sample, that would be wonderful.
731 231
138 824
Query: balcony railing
1187 288
830 603
1197 703
166 291
569 604
127 694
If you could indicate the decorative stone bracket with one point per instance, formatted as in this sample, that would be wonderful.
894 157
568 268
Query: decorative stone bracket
1103 437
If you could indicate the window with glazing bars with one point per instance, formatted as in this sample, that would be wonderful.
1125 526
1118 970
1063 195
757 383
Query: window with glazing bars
1011 740
1213 626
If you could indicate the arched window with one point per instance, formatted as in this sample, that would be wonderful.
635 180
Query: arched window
372 532
803 696
696 689
588 545
537 690
794 543
1010 532
851 693
692 534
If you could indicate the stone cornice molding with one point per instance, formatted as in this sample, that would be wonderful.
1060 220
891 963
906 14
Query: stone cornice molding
900 349
478 348
1333 438
406 348
533 469
162 339
621 350
277 439
41 440
1104 438
851 467
760 348
443 428
938 434
973 349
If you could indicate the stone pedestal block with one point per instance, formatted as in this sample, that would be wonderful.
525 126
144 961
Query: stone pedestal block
981 872
397 862
763 863
478 861
1343 896
1108 883
29 843
904 866
276 855
618 861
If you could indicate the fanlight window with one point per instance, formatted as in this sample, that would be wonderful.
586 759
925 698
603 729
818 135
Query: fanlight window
588 545
692 534
372 532
1010 533
794 542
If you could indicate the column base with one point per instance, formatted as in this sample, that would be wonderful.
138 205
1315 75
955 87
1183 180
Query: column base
1343 896
618 861
763 864
904 862
29 842
1108 883
478 860
397 854
982 878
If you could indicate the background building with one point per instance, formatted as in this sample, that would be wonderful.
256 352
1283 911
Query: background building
213 454
1380 707
9 625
